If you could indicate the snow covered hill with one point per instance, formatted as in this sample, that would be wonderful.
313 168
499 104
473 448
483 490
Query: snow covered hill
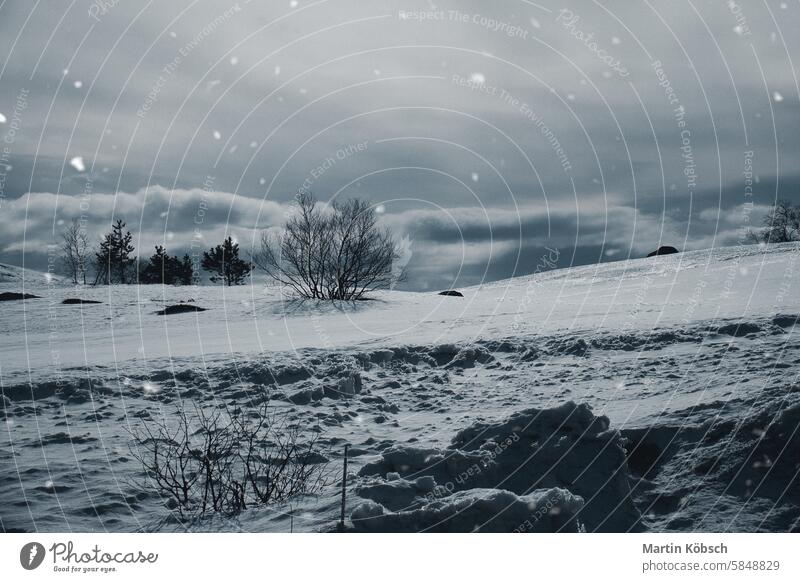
651 394
18 275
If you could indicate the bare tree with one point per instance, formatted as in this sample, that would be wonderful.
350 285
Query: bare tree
341 253
75 251
781 224
215 462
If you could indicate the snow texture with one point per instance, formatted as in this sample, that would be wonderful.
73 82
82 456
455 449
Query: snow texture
655 394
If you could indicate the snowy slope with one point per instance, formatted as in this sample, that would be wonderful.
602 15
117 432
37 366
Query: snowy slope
639 294
19 276
682 370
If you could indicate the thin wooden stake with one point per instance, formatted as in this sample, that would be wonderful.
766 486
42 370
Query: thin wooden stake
344 488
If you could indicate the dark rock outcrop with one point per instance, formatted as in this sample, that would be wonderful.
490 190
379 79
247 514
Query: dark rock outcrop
12 296
180 308
451 293
666 250
74 301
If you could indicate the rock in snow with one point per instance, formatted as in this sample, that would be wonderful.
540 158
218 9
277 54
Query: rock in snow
180 308
665 250
12 296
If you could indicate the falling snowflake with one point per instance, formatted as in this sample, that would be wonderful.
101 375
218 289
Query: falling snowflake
475 176
777 97
253 144
277 70
77 163
535 23
477 78
78 84
150 388
49 484
738 30
262 181
380 209
234 60
217 135
571 96
615 40
293 4
173 34
2 118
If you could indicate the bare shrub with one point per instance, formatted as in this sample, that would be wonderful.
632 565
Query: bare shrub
216 462
781 224
340 254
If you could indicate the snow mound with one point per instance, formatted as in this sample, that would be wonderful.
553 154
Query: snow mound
484 510
566 447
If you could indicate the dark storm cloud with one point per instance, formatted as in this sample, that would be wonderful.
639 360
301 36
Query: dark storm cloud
534 125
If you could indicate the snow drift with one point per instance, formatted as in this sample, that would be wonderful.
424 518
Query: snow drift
534 452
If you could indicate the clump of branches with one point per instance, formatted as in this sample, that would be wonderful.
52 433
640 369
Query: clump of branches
339 252
218 462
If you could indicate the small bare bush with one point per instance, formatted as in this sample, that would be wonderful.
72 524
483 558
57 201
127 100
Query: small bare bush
215 462
336 253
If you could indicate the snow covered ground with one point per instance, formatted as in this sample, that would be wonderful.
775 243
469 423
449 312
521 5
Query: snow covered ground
651 394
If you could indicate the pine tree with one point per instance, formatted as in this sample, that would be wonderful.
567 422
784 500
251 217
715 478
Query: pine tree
156 270
223 262
185 270
165 269
113 259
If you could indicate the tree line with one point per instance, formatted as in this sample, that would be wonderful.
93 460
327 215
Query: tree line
330 252
333 252
113 260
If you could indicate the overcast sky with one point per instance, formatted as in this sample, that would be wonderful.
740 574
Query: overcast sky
483 132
